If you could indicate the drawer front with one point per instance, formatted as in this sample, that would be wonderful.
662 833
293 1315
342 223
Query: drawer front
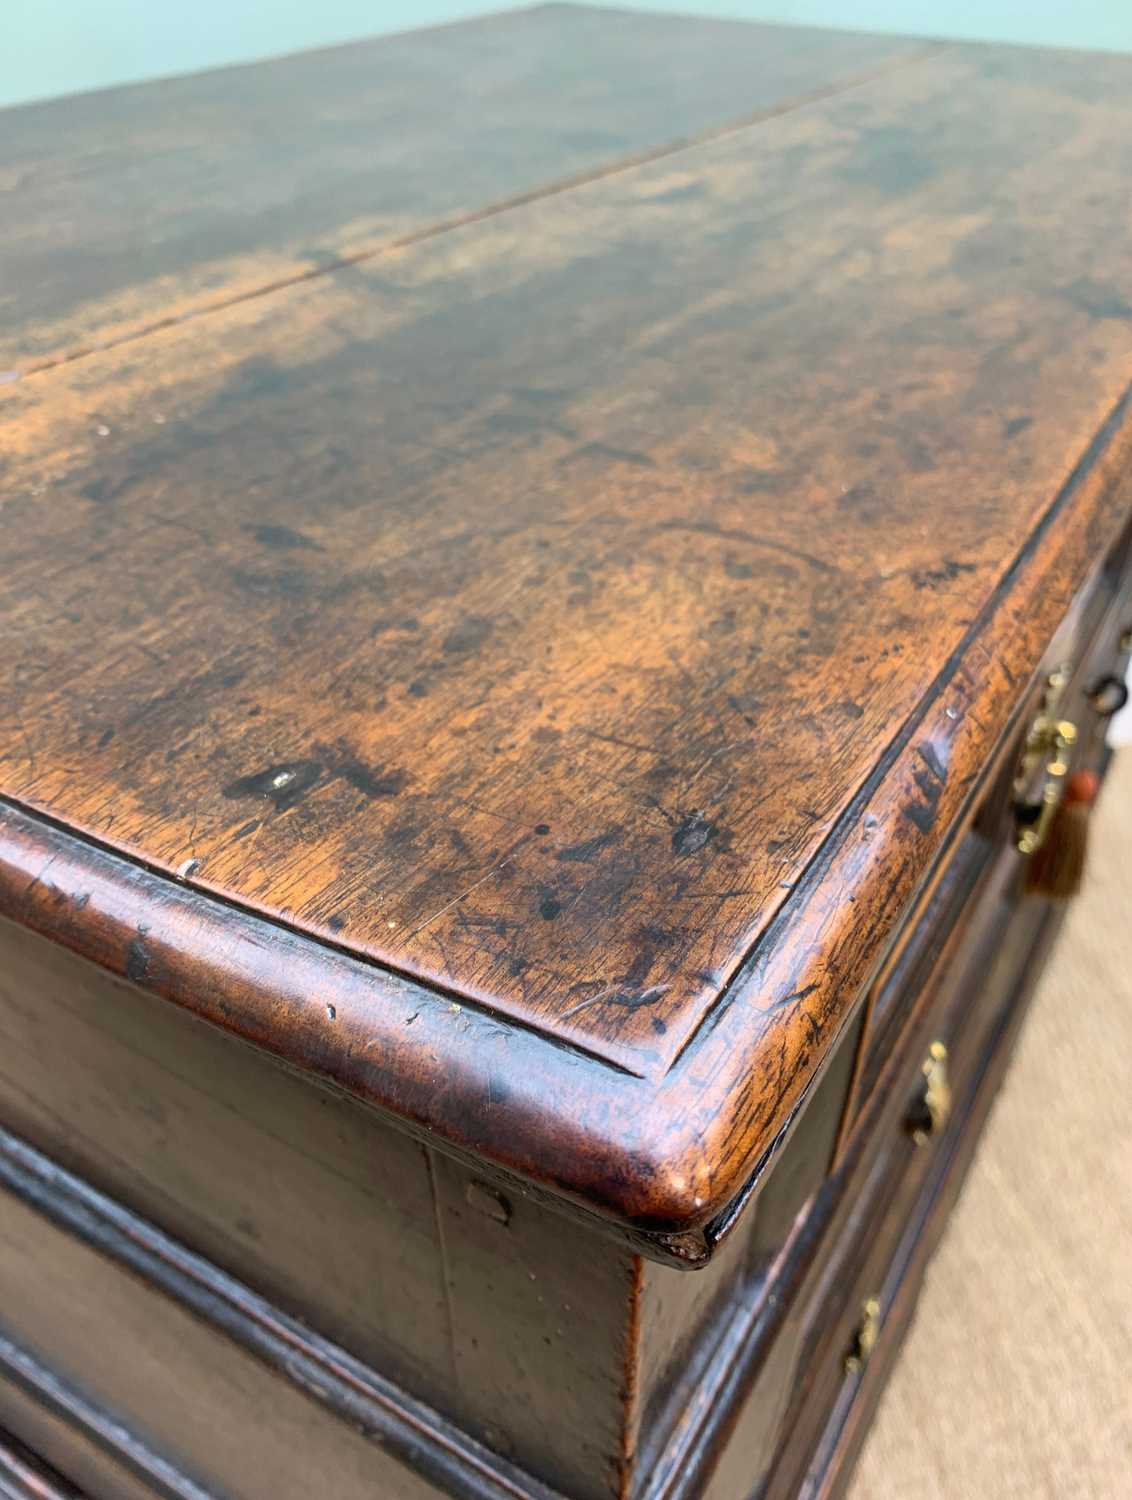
848 1233
976 885
867 1290
834 1445
923 967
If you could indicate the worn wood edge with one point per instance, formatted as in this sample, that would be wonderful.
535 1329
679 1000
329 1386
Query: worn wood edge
894 953
482 1095
396 1422
319 1011
661 1155
823 946
1099 462
23 1476
115 335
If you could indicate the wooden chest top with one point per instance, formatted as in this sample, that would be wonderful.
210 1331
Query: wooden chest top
525 594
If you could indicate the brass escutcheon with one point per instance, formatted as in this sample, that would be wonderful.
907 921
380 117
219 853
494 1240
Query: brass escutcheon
935 1103
865 1339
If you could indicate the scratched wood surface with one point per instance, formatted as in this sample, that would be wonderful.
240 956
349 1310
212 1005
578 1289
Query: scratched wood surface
528 610
129 206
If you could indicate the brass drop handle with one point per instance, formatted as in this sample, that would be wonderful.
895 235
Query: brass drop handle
932 1112
1051 740
865 1338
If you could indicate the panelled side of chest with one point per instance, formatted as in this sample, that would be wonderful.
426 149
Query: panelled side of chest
499 1313
547 1339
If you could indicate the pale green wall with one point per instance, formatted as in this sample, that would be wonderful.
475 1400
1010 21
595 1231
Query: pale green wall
52 47
1054 23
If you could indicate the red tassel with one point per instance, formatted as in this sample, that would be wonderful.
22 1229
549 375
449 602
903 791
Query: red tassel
1057 868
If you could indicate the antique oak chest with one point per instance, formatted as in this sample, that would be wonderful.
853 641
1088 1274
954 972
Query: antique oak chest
562 581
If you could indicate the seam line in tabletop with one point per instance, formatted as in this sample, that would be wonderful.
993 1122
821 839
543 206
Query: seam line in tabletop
221 902
814 870
495 208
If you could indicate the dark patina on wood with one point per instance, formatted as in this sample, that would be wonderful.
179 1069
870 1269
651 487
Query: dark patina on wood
528 676
134 208
531 554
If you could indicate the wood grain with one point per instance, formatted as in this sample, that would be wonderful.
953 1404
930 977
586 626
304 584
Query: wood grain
597 614
135 206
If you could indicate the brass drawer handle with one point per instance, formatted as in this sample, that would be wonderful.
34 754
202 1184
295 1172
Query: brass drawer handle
934 1108
865 1339
1050 741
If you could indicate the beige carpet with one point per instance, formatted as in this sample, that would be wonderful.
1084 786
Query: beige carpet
1016 1379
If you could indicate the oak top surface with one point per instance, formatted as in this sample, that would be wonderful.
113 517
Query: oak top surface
524 608
132 205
